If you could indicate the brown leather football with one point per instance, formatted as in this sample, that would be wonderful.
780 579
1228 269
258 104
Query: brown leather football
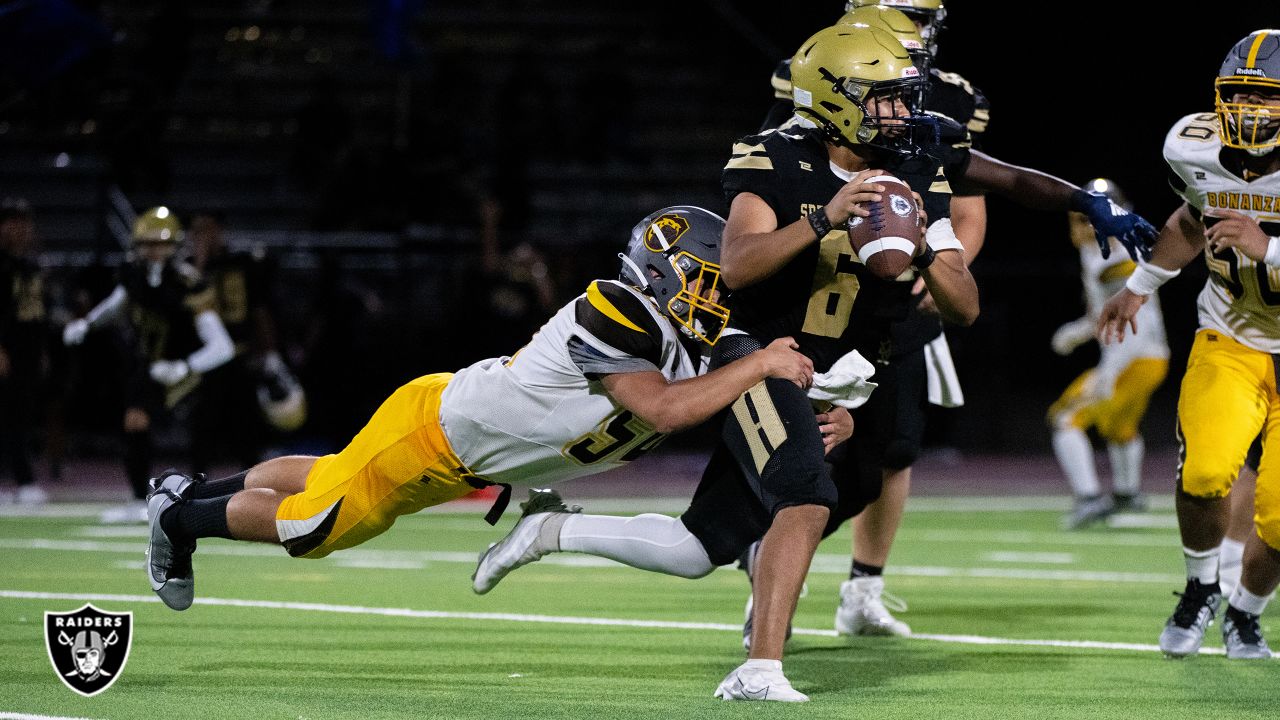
888 239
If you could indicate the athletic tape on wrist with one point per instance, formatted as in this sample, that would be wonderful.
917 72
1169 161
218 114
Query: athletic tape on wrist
1272 257
1148 278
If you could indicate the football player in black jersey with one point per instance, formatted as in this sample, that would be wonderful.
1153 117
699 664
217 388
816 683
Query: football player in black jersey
226 408
922 371
793 273
174 336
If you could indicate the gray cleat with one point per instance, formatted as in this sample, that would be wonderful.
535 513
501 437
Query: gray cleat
1184 632
169 564
1242 636
533 536
1088 510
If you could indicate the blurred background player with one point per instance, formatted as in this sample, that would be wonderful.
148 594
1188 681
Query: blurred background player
923 372
174 336
1112 397
1226 167
23 347
226 415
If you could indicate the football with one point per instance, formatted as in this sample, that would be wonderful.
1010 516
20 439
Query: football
887 239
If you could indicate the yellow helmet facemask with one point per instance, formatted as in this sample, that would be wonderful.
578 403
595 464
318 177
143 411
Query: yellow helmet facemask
1247 94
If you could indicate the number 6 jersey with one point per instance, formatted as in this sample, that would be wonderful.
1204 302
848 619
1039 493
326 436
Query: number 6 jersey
1242 297
542 415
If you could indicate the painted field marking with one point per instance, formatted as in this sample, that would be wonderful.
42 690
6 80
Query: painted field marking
568 620
825 563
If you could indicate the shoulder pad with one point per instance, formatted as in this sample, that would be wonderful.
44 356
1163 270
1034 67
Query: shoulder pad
621 317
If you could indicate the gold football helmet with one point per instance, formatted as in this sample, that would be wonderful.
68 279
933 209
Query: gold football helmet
157 225
845 78
896 24
928 16
1247 94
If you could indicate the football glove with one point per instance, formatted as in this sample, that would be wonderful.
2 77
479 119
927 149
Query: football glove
1109 220
74 332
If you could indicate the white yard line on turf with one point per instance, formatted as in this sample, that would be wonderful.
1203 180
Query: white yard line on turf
826 563
29 716
563 620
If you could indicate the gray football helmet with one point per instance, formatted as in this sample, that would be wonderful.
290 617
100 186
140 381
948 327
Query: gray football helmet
674 255
1247 94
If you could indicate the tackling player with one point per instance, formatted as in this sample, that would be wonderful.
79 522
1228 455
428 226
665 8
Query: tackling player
603 381
1112 397
1226 167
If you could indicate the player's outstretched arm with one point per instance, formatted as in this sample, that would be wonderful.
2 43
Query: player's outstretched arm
111 308
1180 241
755 247
1042 191
672 407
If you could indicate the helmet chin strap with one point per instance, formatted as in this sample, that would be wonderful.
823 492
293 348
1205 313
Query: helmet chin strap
640 275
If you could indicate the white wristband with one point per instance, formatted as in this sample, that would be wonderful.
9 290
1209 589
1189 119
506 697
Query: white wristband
1272 257
1148 278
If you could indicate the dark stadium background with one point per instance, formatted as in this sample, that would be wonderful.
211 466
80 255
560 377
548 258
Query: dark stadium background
351 140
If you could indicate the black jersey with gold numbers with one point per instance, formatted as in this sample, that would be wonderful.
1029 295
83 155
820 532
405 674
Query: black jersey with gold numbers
825 297
238 282
162 316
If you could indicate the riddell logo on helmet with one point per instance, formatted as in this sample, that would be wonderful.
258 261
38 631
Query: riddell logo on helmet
1256 72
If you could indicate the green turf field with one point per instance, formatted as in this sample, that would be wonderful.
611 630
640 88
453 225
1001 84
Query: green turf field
392 630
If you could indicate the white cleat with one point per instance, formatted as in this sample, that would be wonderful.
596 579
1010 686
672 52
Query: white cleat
525 543
862 610
759 680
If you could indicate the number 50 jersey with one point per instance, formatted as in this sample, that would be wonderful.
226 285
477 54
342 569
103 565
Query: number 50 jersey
1242 297
542 415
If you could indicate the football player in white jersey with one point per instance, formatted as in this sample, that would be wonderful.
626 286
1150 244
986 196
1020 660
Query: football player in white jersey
1226 166
1113 396
602 382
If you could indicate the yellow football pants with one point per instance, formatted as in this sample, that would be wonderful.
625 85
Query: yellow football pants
1116 417
1228 397
398 464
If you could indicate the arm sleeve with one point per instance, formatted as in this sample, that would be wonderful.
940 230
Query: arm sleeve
217 348
111 307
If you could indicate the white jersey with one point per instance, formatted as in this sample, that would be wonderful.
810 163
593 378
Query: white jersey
542 415
1104 278
1242 297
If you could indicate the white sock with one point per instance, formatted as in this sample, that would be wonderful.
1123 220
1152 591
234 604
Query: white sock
1126 466
1245 601
649 542
1202 565
1230 564
759 664
1075 456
